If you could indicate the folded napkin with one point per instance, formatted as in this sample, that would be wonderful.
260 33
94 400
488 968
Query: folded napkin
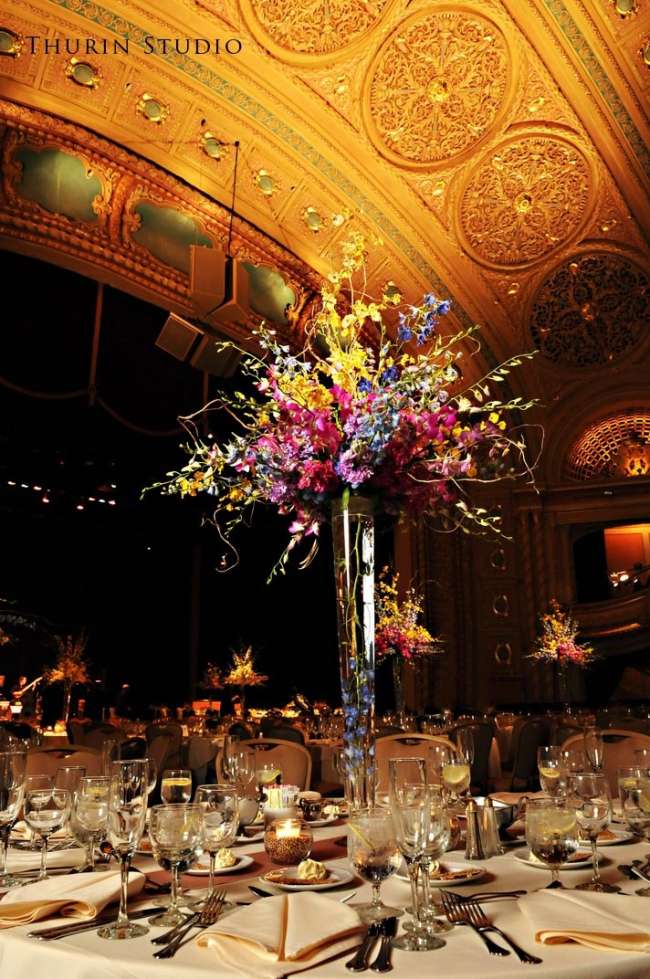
70 896
268 937
600 921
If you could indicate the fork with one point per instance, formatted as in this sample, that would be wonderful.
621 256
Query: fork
458 915
208 916
478 918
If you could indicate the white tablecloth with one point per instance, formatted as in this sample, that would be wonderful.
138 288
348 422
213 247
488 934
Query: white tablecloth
88 957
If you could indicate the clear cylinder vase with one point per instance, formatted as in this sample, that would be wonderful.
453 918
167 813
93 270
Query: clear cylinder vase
398 688
353 537
563 687
67 700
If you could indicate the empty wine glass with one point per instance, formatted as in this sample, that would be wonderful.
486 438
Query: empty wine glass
374 855
411 814
241 766
110 753
406 777
594 748
127 811
46 809
229 748
464 737
89 815
152 776
551 833
436 843
176 786
175 831
12 788
593 805
575 760
220 806
438 756
553 770
68 777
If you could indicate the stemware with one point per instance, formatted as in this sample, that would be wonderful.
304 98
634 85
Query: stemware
411 815
67 777
229 749
241 771
436 843
176 786
438 756
406 778
12 788
575 760
551 833
593 806
456 776
628 781
152 776
46 809
374 855
127 811
89 815
594 748
553 770
110 753
464 737
220 806
175 831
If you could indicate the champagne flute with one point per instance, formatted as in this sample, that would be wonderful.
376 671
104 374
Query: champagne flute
176 786
89 816
593 807
229 748
68 777
551 833
411 815
407 777
374 855
220 806
46 810
553 770
594 748
12 788
241 766
127 811
437 843
175 831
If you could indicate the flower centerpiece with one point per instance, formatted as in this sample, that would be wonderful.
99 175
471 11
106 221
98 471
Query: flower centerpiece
556 644
398 634
242 674
212 678
70 667
372 414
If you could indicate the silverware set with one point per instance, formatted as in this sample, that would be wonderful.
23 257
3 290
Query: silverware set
203 919
385 930
467 911
106 917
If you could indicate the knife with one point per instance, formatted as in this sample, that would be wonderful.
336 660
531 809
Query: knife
359 963
62 931
388 931
260 892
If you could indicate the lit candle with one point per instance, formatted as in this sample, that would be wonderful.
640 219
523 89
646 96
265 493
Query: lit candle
288 829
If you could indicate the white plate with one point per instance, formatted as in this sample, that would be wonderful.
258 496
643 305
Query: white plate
336 879
622 836
253 838
524 857
473 875
202 868
322 822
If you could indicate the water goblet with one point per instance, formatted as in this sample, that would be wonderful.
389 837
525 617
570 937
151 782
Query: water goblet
89 815
127 811
594 748
220 821
175 830
553 771
374 855
176 786
551 833
46 809
12 788
411 816
593 804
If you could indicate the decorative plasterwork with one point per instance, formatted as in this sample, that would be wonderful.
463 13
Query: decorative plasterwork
591 310
438 86
595 452
540 189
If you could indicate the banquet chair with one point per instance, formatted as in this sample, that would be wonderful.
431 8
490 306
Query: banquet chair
47 761
95 736
404 745
76 731
283 733
619 751
132 748
201 752
532 734
164 744
293 759
482 735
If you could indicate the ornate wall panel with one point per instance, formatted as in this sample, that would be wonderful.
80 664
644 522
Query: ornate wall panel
593 455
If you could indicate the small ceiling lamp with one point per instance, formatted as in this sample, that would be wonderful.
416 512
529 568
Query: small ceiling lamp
82 73
152 109
212 146
633 458
11 44
626 8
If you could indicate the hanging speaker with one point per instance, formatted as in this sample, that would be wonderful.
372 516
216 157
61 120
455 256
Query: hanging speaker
207 278
235 307
209 357
177 337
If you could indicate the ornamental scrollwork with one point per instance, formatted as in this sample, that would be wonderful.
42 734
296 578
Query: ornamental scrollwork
591 310
539 189
438 86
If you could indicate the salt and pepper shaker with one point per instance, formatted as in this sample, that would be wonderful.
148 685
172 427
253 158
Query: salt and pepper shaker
489 831
473 841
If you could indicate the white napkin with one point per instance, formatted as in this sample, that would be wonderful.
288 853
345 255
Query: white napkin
614 922
271 936
68 895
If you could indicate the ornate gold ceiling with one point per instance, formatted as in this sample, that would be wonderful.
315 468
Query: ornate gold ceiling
495 150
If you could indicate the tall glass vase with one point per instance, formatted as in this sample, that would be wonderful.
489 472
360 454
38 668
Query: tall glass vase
398 688
67 700
353 536
563 686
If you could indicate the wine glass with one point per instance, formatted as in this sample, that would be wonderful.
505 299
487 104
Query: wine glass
241 768
127 811
267 773
89 816
438 756
642 825
552 833
553 770
642 758
67 777
594 748
593 805
411 814
12 788
628 780
229 748
46 809
175 831
110 753
220 821
456 776
176 786
152 776
437 843
464 737
575 760
374 855
407 777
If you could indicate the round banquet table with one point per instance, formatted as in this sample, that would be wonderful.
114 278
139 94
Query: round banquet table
87 957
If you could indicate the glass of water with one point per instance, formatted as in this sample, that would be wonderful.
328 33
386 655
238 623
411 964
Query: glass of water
591 797
176 786
89 816
375 856
176 839
552 765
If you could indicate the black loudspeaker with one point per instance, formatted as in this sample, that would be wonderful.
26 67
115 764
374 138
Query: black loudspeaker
177 337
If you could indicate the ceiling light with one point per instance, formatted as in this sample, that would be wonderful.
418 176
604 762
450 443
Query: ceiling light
10 43
82 73
152 109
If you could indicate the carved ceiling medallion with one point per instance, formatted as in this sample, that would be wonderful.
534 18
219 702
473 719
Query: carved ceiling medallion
301 32
540 189
437 87
591 310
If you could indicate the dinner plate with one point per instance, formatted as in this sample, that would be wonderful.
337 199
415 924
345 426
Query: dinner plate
315 823
524 857
464 873
202 867
336 878
621 836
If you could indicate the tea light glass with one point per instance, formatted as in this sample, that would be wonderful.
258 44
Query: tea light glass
288 841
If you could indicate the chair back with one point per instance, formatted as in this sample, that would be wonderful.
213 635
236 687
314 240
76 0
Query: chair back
293 759
47 761
482 735
619 751
241 730
77 732
532 734
95 736
404 745
201 752
285 733
165 743
133 748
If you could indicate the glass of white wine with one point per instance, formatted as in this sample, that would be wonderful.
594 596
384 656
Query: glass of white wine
176 786
552 765
456 776
552 833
